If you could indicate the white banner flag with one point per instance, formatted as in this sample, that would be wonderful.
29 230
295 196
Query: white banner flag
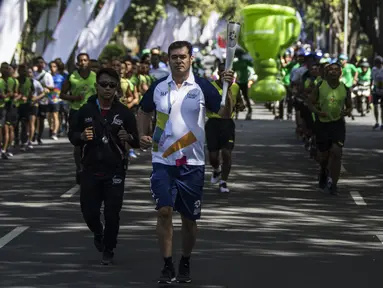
68 30
96 36
190 30
47 23
173 25
208 30
13 16
166 29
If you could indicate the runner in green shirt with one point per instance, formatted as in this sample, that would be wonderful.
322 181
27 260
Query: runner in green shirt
241 68
288 64
349 72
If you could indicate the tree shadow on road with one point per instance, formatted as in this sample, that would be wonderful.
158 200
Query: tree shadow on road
272 226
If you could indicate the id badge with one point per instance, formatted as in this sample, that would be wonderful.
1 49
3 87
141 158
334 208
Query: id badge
168 128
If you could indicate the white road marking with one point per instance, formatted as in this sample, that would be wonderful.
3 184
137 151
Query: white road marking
380 237
358 199
71 192
12 235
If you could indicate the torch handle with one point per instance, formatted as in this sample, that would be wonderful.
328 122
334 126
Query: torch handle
230 52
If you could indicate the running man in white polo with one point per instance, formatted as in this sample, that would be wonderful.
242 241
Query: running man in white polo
180 101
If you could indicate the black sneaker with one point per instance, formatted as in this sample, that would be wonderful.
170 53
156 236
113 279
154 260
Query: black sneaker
168 275
334 190
184 272
331 188
107 257
98 238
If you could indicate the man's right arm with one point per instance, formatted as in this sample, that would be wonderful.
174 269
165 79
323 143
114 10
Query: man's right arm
76 128
144 114
65 92
312 100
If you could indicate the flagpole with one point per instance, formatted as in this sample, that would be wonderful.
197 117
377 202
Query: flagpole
345 42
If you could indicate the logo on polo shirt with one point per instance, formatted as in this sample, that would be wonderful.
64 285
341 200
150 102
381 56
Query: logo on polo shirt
164 93
193 94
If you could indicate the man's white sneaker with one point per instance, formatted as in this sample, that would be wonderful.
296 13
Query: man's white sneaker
215 176
223 187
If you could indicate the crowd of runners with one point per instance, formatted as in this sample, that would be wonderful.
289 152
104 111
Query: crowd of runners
322 91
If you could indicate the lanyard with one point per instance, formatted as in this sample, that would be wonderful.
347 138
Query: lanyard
98 105
170 103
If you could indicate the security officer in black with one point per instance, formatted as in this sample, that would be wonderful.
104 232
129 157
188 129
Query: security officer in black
102 127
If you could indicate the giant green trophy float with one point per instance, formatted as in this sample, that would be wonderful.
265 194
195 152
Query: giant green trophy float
266 32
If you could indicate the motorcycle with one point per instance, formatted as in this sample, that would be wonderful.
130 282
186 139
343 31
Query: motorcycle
361 95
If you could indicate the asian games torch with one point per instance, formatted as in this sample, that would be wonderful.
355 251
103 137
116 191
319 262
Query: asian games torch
233 29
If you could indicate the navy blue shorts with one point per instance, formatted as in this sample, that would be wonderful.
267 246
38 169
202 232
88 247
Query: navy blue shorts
180 187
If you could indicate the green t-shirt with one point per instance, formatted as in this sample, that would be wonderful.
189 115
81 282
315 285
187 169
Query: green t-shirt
81 87
142 79
9 86
286 72
134 80
25 89
332 101
348 71
241 68
364 77
234 89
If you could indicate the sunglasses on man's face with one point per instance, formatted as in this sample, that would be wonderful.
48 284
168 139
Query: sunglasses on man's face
111 85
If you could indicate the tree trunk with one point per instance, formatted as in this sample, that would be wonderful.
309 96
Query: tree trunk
354 34
367 16
353 41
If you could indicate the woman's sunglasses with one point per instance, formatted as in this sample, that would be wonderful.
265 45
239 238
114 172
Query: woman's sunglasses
111 85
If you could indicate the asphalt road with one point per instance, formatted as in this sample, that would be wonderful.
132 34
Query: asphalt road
273 230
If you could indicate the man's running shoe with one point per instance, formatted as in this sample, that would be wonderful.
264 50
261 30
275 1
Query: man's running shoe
183 275
381 127
223 187
215 176
168 275
4 155
98 242
132 154
322 180
30 146
107 257
331 187
376 126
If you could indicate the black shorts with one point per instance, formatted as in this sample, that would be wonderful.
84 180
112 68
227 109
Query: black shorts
377 98
220 134
52 108
33 110
43 110
24 110
329 133
298 104
2 116
11 114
